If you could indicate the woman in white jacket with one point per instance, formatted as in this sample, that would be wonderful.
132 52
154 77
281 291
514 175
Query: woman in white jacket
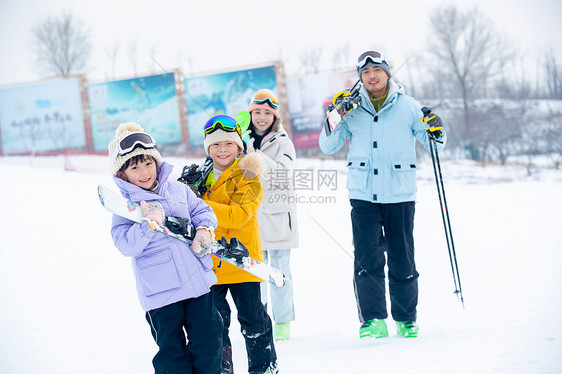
277 213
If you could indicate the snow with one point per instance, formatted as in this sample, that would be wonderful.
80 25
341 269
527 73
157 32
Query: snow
69 303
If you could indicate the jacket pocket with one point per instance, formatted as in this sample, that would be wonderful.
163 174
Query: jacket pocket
157 271
207 262
403 176
357 173
276 227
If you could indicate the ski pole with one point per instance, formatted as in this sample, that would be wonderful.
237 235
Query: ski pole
444 209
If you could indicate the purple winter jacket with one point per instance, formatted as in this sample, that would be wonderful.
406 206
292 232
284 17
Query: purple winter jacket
166 270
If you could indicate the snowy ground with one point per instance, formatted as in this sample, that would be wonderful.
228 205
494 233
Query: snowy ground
69 304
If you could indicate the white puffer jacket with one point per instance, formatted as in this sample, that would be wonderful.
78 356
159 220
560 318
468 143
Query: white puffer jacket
277 215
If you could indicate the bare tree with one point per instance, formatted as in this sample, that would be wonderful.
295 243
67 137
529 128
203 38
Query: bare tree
507 124
341 56
484 123
187 61
531 144
554 137
282 52
62 45
152 65
514 82
278 53
468 51
553 73
111 54
132 54
310 59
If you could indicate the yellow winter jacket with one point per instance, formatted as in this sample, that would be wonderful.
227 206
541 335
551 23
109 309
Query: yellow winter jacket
235 198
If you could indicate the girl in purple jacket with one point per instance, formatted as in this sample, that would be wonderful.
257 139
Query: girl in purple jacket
173 279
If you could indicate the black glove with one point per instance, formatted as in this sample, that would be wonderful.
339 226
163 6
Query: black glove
433 123
193 177
180 226
190 174
223 246
235 249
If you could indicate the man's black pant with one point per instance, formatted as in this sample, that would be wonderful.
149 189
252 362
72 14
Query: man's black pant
378 228
203 325
255 325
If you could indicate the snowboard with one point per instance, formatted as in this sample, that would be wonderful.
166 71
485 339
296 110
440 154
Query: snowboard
117 204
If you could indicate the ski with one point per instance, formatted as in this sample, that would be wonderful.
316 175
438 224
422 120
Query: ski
117 204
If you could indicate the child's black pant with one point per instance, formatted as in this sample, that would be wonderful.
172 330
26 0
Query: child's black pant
255 325
202 352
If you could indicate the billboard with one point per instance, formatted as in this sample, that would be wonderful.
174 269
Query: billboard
42 117
150 101
309 97
223 93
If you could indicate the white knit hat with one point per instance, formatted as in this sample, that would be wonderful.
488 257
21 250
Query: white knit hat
122 131
220 135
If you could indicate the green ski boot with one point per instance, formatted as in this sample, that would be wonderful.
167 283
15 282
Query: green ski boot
407 329
373 328
281 331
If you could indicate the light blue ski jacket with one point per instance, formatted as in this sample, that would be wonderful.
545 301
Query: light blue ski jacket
382 155
166 270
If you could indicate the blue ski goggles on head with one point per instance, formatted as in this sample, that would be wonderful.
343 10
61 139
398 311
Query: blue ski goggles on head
373 56
265 96
223 122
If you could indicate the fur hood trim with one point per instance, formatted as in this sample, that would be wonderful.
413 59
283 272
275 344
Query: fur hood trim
252 165
276 125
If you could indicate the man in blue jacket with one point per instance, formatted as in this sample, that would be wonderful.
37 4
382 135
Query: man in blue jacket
381 182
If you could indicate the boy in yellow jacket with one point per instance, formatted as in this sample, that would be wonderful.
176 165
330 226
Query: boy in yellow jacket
234 192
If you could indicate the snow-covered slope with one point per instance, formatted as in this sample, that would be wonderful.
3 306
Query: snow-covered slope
69 303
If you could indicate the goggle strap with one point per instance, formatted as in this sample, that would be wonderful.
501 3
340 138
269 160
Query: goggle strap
138 139
268 101
363 62
218 124
213 127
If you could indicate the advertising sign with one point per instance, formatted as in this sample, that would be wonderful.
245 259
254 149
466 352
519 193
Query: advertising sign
150 101
309 97
42 117
223 93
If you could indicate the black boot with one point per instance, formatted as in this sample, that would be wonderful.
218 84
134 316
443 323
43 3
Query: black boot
227 367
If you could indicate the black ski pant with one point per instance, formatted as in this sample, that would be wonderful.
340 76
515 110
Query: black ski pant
255 325
378 228
201 352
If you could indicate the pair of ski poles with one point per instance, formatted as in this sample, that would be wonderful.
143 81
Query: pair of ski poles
444 210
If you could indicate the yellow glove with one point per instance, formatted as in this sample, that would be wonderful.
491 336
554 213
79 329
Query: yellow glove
433 124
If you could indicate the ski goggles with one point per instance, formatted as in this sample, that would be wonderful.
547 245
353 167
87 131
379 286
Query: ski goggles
374 57
222 122
266 96
134 140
